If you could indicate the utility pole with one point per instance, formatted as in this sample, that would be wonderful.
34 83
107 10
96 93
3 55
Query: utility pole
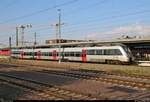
59 26
17 36
35 39
57 32
10 43
22 37
10 49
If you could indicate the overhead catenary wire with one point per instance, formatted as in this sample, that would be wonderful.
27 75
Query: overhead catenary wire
9 4
103 19
95 20
38 12
83 29
95 5
112 17
94 28
87 7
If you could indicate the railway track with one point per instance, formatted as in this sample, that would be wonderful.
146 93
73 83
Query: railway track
142 77
107 73
140 96
45 90
117 74
112 80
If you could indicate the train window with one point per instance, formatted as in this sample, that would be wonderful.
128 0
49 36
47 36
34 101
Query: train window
91 52
112 52
47 54
27 53
71 53
66 54
44 54
57 54
99 52
50 54
15 52
35 53
78 54
118 52
109 52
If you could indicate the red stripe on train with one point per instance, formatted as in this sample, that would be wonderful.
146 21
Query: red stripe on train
84 55
54 55
5 53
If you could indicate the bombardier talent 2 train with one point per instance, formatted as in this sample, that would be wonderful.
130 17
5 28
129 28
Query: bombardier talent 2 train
106 54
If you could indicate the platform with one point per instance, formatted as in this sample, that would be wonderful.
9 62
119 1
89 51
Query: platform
144 63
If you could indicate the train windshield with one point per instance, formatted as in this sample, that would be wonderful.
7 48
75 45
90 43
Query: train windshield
127 50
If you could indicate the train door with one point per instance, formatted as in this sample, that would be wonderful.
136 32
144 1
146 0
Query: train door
54 54
22 54
84 55
39 55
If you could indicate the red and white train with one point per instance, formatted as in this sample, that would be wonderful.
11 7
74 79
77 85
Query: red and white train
106 54
4 54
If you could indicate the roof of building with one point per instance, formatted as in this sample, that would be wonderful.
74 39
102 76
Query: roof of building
121 41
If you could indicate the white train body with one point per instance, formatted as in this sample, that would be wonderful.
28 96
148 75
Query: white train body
107 54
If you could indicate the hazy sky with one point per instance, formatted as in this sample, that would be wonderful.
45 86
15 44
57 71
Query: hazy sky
84 19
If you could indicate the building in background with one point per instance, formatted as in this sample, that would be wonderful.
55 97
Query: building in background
55 41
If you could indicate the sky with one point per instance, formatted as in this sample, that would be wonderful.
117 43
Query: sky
82 19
